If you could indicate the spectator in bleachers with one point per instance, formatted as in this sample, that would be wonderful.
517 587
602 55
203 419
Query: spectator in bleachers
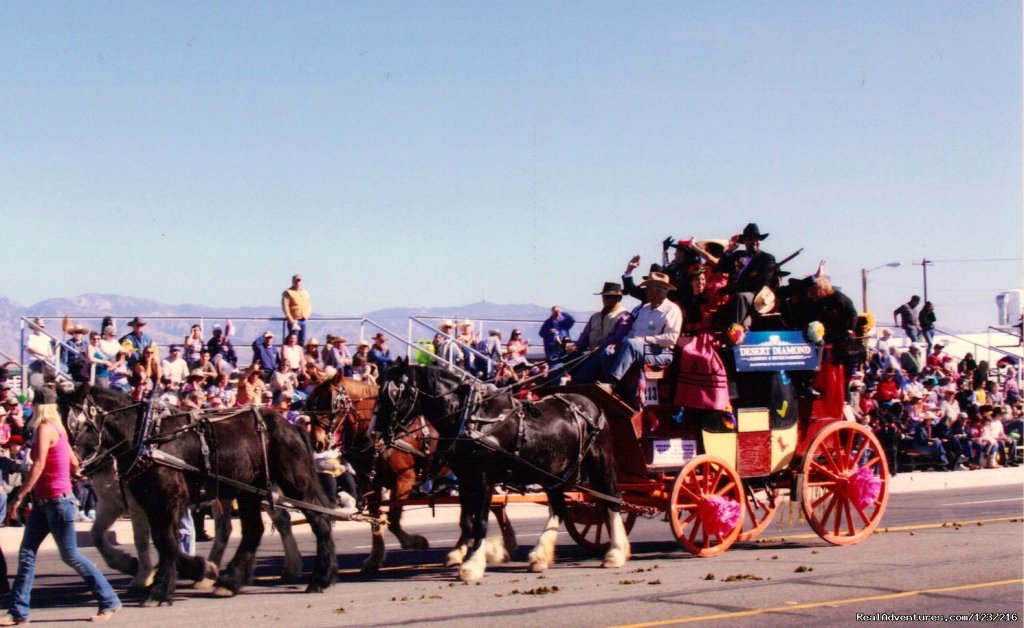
193 344
967 365
491 348
1006 445
467 339
40 348
204 367
336 355
284 382
120 374
99 361
263 351
250 386
987 439
911 361
925 443
312 354
292 353
517 348
444 343
882 346
175 368
380 354
363 371
135 341
222 350
554 332
76 360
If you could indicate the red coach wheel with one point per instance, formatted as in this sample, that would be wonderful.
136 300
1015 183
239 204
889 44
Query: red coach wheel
705 481
587 526
845 483
759 509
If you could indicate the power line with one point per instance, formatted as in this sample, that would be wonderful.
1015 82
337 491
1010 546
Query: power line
991 259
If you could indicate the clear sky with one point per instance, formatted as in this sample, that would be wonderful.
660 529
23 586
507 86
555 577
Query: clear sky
440 153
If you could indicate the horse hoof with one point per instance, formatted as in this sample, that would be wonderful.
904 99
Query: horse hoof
538 566
150 603
223 592
470 574
417 542
291 578
613 559
315 588
454 558
205 584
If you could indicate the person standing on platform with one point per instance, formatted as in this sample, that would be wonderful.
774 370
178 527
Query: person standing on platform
295 303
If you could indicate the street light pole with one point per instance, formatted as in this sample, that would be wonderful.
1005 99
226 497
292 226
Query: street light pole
925 262
864 281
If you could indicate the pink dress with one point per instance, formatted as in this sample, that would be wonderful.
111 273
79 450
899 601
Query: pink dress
702 381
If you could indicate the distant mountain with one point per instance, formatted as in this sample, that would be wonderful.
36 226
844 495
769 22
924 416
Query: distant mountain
169 323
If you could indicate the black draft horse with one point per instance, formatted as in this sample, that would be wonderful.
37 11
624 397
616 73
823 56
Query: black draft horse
552 442
237 451
344 406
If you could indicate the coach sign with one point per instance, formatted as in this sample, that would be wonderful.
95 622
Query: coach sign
776 351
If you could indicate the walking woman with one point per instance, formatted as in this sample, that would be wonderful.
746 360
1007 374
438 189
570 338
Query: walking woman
54 513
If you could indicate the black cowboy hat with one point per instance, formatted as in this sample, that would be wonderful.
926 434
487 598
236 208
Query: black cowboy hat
136 322
751 231
610 289
655 268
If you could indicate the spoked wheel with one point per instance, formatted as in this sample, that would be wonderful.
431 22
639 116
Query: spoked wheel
759 509
845 483
707 485
587 526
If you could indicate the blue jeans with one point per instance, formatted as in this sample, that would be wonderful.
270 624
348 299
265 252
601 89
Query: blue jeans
57 518
630 351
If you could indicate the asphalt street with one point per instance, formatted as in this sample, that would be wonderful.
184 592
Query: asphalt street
950 544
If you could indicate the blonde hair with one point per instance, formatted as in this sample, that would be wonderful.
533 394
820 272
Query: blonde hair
47 413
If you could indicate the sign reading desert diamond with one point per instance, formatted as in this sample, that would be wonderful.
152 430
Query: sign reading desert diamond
775 351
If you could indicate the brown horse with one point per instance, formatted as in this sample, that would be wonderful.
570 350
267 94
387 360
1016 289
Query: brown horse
341 410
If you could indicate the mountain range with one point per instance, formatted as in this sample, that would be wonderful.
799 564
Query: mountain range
168 323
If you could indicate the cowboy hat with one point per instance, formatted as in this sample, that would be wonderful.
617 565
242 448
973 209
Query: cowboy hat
713 246
136 322
764 301
77 329
751 231
446 324
610 289
658 280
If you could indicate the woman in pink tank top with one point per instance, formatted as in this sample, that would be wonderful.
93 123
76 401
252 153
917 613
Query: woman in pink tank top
55 511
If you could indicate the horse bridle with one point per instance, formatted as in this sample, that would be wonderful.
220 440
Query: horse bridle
88 416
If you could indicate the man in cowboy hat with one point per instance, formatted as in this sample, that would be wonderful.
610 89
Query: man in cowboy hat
265 355
380 354
749 270
605 328
76 361
653 333
135 341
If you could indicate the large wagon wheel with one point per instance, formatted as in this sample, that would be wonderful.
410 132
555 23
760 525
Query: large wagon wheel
838 496
588 527
701 481
759 509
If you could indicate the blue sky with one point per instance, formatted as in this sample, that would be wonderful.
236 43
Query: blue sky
416 153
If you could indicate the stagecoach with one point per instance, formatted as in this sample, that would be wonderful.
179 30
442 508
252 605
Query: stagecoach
718 476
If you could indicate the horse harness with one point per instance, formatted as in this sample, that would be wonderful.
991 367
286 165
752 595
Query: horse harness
147 453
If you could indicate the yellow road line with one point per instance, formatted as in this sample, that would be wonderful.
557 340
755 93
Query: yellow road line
883 529
792 607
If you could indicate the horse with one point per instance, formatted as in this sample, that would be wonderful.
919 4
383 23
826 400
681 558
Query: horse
112 503
344 406
234 456
551 442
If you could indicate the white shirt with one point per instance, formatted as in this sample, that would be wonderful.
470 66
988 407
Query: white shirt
658 326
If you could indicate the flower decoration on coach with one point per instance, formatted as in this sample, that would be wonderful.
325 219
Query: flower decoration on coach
815 332
736 333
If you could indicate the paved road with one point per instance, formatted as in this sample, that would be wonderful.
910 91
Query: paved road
955 550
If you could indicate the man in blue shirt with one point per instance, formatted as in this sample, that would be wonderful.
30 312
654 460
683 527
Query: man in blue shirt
555 332
263 351
135 342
